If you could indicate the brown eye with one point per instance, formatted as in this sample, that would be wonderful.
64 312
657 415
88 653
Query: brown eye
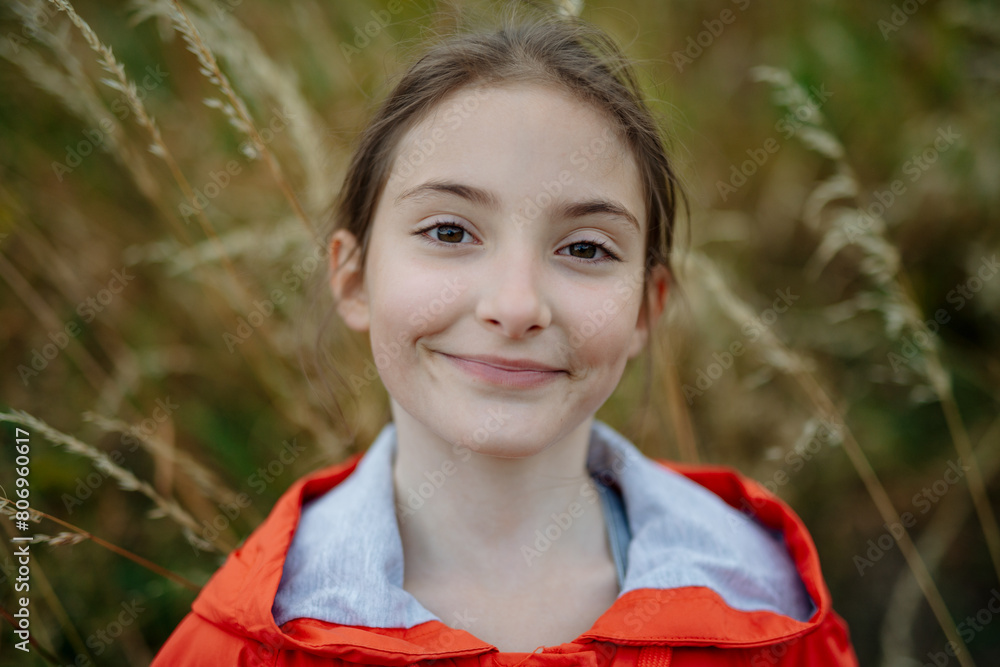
593 252
449 233
583 250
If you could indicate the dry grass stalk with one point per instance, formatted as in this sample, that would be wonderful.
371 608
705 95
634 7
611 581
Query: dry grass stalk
92 371
277 375
258 243
941 382
128 89
883 266
894 295
822 403
941 532
226 36
209 483
7 509
680 415
237 112
63 538
158 147
41 582
82 102
780 357
121 83
126 480
149 565
41 650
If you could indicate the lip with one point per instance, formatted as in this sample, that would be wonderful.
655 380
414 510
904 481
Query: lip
507 364
514 373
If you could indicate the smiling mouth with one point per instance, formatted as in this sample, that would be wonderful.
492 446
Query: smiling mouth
513 373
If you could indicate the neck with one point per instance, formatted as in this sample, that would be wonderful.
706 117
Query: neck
472 517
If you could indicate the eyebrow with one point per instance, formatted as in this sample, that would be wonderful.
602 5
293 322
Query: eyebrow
489 200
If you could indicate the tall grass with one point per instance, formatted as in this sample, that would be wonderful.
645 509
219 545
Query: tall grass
274 91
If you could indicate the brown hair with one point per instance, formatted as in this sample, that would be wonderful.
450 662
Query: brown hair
550 49
563 51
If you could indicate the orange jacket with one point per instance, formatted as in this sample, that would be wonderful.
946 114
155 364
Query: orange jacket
231 621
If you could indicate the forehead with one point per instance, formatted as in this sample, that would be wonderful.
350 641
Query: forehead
519 140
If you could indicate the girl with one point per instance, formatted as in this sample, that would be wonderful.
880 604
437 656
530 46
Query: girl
503 236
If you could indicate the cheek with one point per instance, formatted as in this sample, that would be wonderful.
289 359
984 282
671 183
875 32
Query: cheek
411 302
602 327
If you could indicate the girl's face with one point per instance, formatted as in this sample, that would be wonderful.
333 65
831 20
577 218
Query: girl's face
503 286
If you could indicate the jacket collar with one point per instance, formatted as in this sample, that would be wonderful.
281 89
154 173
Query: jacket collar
700 572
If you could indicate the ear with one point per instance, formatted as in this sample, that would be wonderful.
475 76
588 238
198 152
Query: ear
347 280
657 287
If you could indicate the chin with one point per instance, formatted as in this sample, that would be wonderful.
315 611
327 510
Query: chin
518 437
508 450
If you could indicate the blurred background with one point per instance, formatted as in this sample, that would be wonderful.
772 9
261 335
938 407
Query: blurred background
164 173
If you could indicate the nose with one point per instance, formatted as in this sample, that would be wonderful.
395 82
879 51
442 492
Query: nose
513 301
